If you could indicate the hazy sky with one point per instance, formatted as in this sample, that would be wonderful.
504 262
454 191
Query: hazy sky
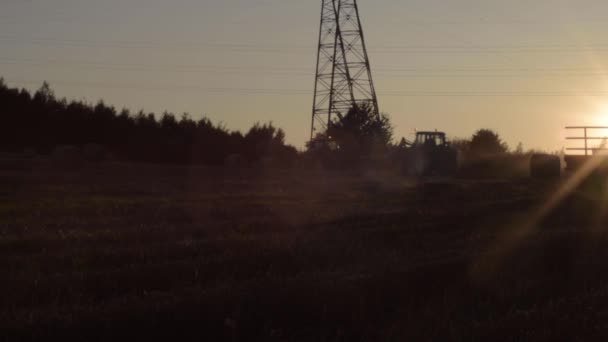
524 68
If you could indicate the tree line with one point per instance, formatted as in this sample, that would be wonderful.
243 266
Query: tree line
42 122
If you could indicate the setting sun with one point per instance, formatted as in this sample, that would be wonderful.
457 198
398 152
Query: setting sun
601 115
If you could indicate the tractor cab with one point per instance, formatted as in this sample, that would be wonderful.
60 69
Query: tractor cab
430 154
430 139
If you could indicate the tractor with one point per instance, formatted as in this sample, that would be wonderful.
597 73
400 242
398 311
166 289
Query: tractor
430 155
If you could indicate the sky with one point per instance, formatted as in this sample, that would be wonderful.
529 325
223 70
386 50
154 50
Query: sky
525 69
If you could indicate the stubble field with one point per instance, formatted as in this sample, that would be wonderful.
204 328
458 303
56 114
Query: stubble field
138 252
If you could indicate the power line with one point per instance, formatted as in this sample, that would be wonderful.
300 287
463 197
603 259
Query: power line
152 45
267 91
265 68
155 67
289 49
384 72
496 94
487 22
146 87
265 46
147 68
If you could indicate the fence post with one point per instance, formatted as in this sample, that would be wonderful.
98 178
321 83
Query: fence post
585 129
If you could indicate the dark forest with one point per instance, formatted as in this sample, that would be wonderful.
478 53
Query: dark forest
42 124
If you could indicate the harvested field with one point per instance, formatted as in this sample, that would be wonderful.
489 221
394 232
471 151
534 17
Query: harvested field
124 251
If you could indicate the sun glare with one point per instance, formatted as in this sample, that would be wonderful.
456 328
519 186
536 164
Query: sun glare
601 115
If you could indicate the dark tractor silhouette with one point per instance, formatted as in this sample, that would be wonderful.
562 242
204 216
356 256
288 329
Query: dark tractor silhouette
430 155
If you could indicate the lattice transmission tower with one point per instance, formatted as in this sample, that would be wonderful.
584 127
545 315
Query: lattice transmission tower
343 77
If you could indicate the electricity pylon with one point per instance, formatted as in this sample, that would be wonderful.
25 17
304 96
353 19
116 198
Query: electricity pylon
343 77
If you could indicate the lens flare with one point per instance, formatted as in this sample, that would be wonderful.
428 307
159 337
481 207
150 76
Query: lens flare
515 234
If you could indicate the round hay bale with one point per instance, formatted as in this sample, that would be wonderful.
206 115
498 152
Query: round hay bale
545 166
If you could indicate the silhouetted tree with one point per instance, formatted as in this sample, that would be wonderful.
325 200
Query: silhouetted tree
361 133
267 141
45 94
486 142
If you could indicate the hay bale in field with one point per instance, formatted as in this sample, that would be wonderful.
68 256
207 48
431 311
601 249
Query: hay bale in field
545 166
67 156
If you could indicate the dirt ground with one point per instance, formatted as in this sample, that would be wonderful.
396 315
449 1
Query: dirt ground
104 252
